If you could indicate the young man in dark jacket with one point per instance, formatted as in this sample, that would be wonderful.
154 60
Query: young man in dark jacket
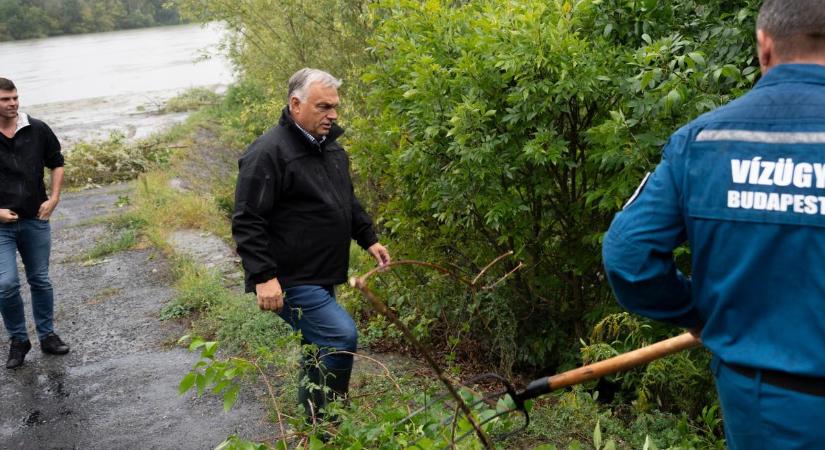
295 214
27 146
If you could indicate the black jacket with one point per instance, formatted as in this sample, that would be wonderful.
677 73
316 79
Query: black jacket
22 162
295 209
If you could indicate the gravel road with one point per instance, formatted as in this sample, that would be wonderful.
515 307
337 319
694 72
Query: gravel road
117 388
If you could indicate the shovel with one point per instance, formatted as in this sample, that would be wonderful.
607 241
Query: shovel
534 389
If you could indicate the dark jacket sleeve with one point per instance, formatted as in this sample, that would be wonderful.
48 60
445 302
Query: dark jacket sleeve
362 228
255 198
52 158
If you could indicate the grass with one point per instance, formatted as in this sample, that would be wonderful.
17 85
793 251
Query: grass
123 233
191 100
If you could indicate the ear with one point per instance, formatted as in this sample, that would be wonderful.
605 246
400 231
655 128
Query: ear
294 104
767 50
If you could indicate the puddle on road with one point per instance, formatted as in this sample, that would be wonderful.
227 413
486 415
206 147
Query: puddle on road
33 419
55 384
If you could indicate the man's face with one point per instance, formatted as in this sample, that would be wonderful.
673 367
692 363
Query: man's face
317 114
8 104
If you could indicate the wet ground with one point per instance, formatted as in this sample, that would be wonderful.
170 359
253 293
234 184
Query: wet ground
117 388
135 116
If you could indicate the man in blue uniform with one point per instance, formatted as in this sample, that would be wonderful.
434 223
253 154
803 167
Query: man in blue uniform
27 146
745 186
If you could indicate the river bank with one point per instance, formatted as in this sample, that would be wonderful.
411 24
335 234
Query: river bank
135 115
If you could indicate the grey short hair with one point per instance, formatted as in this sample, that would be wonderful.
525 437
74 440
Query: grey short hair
301 80
786 18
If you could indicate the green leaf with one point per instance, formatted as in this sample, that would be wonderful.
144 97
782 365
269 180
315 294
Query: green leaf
649 444
597 436
673 100
316 444
698 58
200 381
209 349
186 383
196 344
230 397
607 30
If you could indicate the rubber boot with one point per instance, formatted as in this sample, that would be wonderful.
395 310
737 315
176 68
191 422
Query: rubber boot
338 383
311 393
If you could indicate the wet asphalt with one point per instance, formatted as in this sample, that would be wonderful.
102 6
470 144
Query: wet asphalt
117 388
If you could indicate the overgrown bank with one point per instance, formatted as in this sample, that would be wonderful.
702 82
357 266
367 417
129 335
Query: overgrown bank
487 126
191 188
481 127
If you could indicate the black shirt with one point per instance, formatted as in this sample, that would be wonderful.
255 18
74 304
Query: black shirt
22 162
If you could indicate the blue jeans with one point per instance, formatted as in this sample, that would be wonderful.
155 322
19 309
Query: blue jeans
32 238
314 312
759 415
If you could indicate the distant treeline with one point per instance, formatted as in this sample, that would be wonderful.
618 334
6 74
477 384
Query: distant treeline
26 19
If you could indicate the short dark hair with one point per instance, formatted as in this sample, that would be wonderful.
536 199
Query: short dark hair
797 26
7 85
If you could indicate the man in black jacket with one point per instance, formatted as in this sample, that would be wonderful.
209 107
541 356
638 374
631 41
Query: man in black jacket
27 146
295 214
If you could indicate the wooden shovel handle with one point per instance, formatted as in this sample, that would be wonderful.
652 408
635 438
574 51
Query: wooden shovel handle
610 366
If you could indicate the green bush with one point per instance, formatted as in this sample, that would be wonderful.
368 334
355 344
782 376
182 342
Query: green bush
678 383
524 125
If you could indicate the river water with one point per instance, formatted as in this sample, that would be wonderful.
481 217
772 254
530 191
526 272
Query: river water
87 86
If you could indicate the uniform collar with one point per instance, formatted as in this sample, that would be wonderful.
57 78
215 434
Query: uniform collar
793 73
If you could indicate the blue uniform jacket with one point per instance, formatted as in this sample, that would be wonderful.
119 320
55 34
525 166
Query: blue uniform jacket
745 186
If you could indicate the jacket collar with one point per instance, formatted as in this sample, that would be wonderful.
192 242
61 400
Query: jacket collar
334 133
793 73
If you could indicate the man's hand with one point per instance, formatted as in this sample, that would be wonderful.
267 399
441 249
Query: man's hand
8 216
380 253
46 209
270 295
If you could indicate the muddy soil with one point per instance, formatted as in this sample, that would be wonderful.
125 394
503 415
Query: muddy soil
117 388
135 116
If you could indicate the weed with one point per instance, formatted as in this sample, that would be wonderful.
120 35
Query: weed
113 160
123 233
190 100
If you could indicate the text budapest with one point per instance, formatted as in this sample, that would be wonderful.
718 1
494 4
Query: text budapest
783 172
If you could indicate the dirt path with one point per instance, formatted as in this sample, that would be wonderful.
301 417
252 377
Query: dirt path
117 388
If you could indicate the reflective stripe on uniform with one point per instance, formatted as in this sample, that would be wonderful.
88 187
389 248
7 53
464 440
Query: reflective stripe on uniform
765 137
